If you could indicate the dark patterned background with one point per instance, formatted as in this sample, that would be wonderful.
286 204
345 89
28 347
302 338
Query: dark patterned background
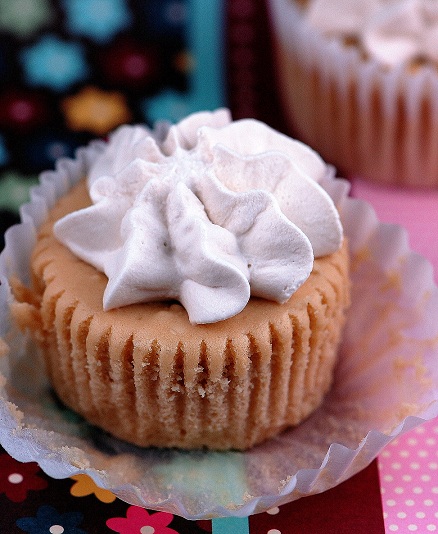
72 70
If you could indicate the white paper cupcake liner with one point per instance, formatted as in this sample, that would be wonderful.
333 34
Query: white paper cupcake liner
386 383
365 119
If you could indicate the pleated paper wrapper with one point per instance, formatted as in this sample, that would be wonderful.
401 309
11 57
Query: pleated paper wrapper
376 122
386 383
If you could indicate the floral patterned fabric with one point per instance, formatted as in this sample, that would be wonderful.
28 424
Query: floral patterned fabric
17 479
72 70
34 503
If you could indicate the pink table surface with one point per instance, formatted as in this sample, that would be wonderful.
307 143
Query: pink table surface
408 467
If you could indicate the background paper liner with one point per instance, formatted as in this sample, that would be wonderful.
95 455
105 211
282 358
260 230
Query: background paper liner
386 383
375 122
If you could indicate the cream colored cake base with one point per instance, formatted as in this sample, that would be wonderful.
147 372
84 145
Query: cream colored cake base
148 376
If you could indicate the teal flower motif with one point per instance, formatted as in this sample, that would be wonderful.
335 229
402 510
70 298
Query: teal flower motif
54 63
48 519
4 156
24 18
14 189
99 20
169 105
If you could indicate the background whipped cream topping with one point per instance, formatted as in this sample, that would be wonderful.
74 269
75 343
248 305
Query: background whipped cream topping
207 212
391 31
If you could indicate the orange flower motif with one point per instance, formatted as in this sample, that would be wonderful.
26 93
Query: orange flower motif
95 110
184 62
85 486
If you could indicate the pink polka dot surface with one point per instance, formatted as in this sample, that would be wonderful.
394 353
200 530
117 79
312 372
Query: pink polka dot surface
409 465
409 481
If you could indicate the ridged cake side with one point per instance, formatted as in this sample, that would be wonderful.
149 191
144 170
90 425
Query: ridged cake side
147 375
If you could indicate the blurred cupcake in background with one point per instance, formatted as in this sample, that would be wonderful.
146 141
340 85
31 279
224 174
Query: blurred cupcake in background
359 83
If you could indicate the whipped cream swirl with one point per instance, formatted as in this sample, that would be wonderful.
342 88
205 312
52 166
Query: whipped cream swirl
207 212
391 31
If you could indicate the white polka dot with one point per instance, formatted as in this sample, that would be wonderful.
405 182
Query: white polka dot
390 502
412 528
435 489
382 491
417 490
431 528
407 478
385 454
56 529
415 466
425 478
420 430
423 454
273 511
428 502
388 478
432 465
409 502
393 528
385 515
401 515
430 441
420 515
412 441
396 466
15 478
273 531
398 490
404 454
147 530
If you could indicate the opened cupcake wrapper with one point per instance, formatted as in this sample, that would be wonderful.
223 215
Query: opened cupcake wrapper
386 383
366 119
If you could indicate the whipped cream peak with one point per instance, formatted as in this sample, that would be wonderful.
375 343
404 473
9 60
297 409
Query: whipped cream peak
263 139
392 31
203 216
184 135
129 142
